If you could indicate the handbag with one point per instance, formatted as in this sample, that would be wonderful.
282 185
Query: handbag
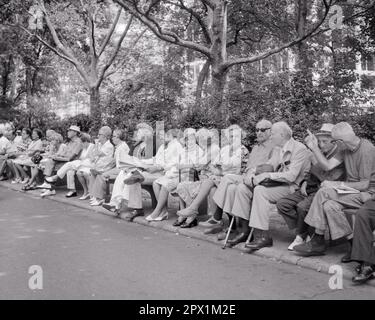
36 158
263 168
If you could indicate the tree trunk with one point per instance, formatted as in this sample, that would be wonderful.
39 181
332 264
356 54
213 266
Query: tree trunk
218 84
201 79
29 85
219 56
303 62
95 110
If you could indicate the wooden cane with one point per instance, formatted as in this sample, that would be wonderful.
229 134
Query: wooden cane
228 233
249 237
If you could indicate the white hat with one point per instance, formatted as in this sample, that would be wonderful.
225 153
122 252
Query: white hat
74 128
325 130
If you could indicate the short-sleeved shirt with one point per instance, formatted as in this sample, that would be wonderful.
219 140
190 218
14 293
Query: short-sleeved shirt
73 148
360 163
318 175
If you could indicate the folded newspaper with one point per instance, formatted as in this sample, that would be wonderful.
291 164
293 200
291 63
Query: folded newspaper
346 190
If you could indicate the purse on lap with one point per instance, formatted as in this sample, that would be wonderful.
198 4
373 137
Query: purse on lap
263 168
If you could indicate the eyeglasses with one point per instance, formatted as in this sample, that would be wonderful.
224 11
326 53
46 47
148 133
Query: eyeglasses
262 129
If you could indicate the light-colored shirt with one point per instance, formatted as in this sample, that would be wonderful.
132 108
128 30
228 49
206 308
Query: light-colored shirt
103 155
121 153
168 157
291 162
260 154
4 144
73 148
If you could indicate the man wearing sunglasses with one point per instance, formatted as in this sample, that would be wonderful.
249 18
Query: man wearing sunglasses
225 193
326 211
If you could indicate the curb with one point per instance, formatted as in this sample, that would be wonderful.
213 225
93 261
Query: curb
272 253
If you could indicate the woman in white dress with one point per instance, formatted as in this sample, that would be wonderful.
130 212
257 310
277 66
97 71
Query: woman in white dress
184 159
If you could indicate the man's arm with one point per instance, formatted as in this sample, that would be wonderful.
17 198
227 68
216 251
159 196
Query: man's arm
324 163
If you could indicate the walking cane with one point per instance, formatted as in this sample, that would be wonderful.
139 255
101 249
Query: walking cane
250 236
228 233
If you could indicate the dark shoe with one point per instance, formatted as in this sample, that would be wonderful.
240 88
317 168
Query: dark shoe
178 223
347 257
358 268
134 178
366 274
191 224
71 194
135 213
311 248
242 237
223 234
109 207
260 243
213 230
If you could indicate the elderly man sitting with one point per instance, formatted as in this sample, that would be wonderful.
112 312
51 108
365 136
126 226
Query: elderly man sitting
294 207
326 211
290 162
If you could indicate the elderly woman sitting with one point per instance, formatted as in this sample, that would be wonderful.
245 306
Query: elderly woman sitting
55 147
179 159
231 159
99 178
69 169
24 160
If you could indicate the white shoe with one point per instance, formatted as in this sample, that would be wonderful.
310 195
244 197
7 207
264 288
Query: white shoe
24 181
96 203
48 193
16 181
45 185
84 197
298 240
51 179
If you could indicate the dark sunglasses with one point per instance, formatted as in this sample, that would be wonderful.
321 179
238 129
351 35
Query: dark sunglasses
262 129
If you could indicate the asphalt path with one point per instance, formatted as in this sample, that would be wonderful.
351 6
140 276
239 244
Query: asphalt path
87 255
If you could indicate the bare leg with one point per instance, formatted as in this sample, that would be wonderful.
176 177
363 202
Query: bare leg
211 203
157 188
204 191
82 181
22 171
34 174
162 203
14 170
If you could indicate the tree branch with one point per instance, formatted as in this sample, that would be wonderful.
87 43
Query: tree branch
110 32
163 35
268 53
107 74
66 51
114 54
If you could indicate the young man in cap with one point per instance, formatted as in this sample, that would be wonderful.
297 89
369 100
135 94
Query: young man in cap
294 207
